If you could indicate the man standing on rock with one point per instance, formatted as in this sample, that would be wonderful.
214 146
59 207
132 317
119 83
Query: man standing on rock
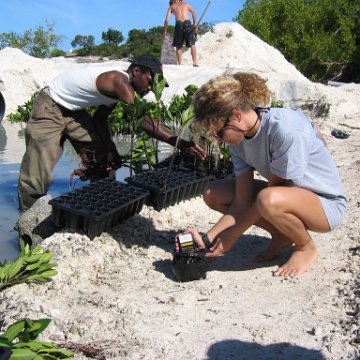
59 113
184 30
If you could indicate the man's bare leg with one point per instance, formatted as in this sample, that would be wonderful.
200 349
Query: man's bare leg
179 55
193 55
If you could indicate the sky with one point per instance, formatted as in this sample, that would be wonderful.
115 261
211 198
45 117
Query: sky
92 17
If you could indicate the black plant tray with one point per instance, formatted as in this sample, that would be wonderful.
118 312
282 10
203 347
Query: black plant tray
180 185
209 166
96 207
178 162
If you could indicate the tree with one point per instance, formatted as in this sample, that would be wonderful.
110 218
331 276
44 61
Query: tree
38 43
112 36
205 27
86 44
321 38
142 41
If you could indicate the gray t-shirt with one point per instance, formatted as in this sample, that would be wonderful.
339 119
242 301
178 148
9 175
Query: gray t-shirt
288 145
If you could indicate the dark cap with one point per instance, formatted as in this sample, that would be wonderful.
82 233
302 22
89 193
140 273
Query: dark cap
150 62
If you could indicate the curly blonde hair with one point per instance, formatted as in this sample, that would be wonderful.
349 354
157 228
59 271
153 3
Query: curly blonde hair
215 101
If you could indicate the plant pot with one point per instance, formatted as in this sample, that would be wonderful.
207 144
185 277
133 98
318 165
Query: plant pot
96 207
189 266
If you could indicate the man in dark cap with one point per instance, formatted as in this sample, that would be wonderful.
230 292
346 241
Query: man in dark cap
59 113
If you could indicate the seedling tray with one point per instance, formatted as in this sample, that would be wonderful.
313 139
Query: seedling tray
180 185
98 206
219 169
178 162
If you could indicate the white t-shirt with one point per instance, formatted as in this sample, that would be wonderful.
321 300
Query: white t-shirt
288 145
76 89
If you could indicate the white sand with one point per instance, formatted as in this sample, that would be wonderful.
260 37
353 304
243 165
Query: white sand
117 292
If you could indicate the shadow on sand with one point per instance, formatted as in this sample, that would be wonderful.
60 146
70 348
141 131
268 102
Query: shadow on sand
241 350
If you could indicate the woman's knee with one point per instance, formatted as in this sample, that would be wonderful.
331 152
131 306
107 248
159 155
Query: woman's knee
208 195
269 202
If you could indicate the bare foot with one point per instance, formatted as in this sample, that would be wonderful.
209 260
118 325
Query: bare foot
300 261
277 243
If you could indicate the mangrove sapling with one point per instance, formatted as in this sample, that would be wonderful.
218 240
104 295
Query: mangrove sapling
186 118
30 266
158 111
23 112
179 103
134 115
21 336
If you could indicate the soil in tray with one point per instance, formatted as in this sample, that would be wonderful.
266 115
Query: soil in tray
210 166
161 180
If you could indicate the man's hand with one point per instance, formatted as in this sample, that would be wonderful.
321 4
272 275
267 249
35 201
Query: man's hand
192 149
114 160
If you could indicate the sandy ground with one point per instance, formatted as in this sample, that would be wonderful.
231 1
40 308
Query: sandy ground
117 294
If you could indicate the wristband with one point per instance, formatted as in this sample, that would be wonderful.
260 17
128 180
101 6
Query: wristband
207 242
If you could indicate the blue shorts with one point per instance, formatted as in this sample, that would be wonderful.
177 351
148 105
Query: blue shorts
334 208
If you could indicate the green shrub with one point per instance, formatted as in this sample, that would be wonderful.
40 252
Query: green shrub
20 338
31 265
23 112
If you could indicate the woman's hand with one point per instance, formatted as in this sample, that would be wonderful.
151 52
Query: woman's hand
198 242
213 250
217 248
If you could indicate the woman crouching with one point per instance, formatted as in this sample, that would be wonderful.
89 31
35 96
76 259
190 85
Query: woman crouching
303 191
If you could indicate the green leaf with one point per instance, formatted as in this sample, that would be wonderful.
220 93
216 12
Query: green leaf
26 250
36 277
14 330
32 328
56 350
44 324
22 354
158 86
187 116
49 273
41 258
36 346
34 258
5 342
15 267
32 266
37 250
24 337
2 274
23 344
